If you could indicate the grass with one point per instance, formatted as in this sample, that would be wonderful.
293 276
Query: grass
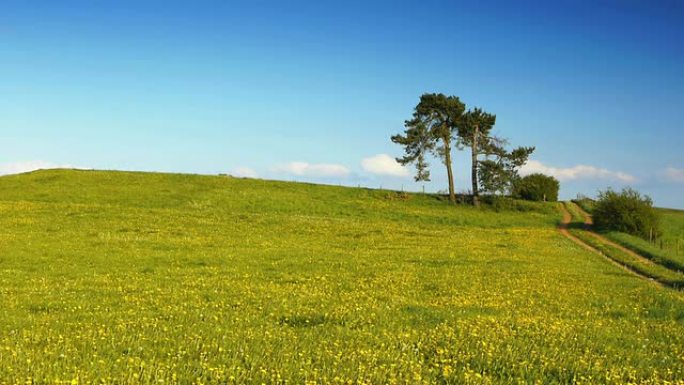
577 216
666 272
112 277
665 257
673 231
587 204
672 222
668 251
647 268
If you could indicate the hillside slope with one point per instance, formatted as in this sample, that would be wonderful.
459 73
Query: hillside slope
139 277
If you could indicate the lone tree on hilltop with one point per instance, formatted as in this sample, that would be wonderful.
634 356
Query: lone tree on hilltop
431 130
474 132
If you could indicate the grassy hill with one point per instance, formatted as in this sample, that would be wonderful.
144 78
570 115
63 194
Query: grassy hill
116 277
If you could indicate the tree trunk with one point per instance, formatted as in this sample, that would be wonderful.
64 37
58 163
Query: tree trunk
450 174
473 175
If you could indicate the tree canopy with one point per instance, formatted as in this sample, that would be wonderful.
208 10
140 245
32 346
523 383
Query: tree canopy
432 130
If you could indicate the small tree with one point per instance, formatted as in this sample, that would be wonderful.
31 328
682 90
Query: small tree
537 187
431 131
628 212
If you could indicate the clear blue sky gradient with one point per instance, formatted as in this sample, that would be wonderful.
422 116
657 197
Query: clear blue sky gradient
207 87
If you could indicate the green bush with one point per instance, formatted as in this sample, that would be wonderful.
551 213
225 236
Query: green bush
537 187
628 212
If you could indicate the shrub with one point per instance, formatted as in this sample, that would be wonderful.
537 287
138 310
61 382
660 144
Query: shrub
537 187
499 203
628 212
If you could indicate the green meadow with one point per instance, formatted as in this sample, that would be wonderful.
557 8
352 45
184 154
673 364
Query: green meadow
673 226
146 278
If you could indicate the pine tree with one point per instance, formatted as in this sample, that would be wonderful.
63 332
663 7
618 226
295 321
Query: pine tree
432 130
474 132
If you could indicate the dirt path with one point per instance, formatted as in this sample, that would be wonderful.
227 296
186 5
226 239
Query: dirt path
563 228
589 223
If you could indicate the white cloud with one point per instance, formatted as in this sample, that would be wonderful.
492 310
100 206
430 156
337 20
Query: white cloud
29 165
580 171
313 169
383 164
674 174
244 172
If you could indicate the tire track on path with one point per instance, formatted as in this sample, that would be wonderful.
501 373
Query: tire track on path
589 224
563 228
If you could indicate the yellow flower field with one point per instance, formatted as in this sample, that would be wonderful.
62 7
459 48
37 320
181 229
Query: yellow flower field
134 278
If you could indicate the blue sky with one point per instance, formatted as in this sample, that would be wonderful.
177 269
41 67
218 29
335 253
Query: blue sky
312 91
